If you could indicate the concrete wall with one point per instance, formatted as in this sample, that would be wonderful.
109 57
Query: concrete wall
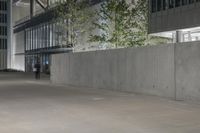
153 70
148 70
188 71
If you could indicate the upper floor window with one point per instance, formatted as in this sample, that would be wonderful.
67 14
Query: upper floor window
153 5
3 5
158 5
3 30
3 43
3 18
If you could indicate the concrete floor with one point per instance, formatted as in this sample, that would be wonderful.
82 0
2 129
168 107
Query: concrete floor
29 106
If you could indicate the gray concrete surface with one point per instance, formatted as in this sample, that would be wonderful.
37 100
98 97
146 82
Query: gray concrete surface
188 71
146 70
30 106
152 70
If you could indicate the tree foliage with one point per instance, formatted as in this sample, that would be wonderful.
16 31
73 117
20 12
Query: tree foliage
121 23
117 23
73 18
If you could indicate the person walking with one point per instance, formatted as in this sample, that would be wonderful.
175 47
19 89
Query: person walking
37 70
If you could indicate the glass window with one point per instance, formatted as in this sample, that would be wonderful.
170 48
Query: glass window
3 18
153 5
159 5
165 5
3 30
191 1
171 3
3 43
178 3
3 5
184 2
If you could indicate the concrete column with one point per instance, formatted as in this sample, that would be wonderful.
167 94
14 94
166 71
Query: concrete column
179 37
174 37
32 8
189 36
10 34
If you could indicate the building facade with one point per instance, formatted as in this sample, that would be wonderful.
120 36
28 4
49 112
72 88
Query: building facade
3 33
175 19
35 36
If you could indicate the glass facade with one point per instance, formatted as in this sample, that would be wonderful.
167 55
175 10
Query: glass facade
39 40
3 43
3 24
177 3
159 5
31 59
3 30
3 34
3 18
170 4
3 5
45 36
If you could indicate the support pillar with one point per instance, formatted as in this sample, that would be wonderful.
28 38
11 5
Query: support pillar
189 36
179 37
32 8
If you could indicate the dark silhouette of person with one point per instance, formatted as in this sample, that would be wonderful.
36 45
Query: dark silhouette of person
37 70
46 68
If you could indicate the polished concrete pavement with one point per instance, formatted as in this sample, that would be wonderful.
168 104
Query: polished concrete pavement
30 106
